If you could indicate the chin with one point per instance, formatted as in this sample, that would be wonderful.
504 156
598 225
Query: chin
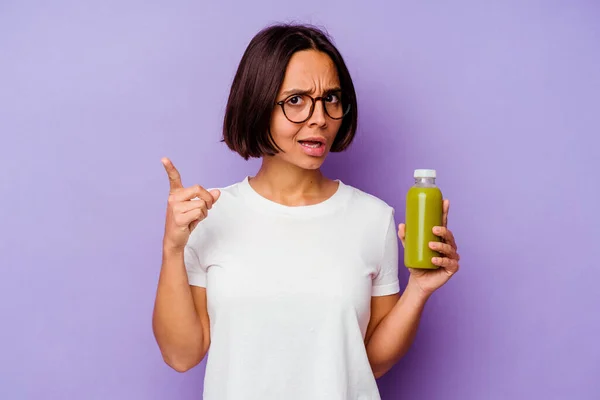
312 166
312 163
304 161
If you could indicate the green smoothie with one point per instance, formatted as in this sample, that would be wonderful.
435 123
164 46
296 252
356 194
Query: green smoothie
423 212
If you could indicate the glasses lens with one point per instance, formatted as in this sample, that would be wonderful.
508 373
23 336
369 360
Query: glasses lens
334 105
297 107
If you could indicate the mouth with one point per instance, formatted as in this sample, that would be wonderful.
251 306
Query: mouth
312 143
314 146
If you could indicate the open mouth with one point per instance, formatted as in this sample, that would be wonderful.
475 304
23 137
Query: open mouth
311 144
314 146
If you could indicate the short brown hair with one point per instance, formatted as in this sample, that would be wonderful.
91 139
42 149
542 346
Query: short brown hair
258 80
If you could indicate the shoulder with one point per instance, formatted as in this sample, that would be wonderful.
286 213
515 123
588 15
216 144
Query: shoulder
230 193
369 213
221 214
368 203
372 219
231 198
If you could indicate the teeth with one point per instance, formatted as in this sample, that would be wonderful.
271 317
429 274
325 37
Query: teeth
312 145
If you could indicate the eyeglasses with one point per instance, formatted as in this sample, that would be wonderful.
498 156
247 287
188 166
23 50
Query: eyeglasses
298 108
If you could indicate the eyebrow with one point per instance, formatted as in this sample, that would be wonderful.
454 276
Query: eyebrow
304 91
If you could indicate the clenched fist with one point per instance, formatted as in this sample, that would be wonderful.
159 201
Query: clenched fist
186 208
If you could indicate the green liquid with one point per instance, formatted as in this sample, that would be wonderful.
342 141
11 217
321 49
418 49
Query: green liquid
423 212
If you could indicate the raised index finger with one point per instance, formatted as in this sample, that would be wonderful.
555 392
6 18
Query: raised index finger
174 177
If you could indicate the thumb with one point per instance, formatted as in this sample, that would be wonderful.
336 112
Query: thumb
215 193
402 233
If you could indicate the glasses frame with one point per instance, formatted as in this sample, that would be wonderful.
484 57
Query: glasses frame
312 107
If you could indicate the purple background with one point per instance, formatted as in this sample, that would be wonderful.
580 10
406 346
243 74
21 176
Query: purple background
502 98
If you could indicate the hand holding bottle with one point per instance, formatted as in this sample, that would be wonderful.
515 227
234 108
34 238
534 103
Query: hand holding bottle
430 248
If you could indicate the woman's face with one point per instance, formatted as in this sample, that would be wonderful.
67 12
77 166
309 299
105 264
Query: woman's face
306 144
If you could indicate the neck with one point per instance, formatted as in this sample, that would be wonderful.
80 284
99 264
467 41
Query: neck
288 184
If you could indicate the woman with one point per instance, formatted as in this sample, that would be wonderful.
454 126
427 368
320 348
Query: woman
291 278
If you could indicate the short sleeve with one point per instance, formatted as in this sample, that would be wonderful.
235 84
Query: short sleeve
386 281
195 271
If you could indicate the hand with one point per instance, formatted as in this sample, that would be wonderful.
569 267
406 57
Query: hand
429 281
186 207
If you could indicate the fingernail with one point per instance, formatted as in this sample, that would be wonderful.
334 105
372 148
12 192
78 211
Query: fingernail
432 244
437 229
435 260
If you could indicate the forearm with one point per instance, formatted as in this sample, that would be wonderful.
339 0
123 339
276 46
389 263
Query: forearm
395 334
176 324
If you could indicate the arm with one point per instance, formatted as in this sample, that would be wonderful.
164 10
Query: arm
394 322
180 320
393 327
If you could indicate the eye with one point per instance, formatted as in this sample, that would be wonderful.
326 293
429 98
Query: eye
332 98
295 100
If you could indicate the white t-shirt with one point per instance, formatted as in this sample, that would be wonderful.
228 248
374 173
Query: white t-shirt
289 292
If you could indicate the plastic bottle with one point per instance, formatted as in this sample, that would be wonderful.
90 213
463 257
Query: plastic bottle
423 211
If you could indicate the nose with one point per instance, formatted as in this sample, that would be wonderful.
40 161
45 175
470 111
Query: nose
318 118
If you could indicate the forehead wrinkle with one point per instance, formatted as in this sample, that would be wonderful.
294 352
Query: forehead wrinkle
310 76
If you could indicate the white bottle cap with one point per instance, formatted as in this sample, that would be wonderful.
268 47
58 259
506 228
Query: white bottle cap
424 173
